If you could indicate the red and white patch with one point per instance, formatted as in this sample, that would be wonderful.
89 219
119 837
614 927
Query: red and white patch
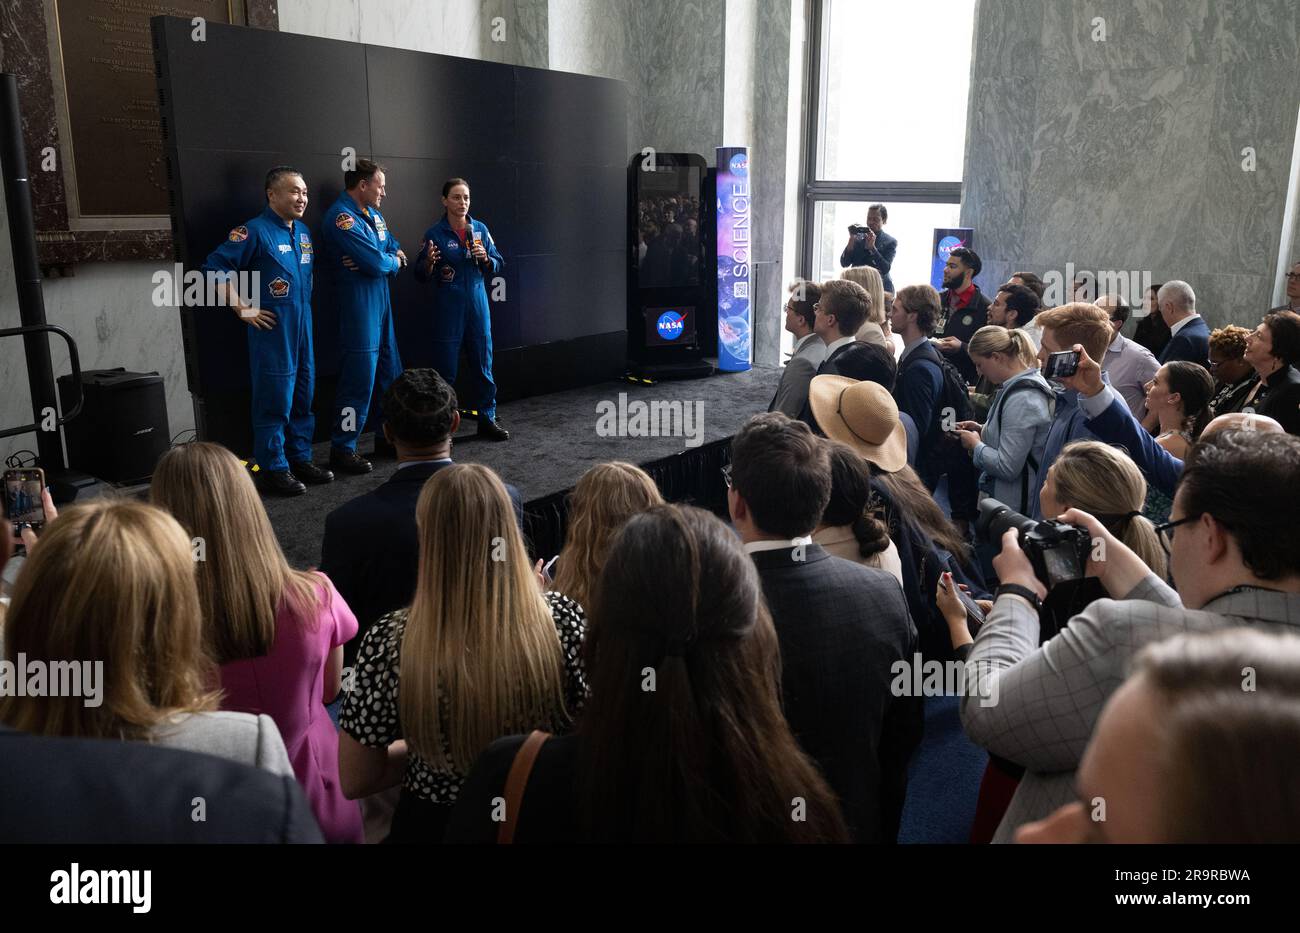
448 273
278 287
238 235
345 221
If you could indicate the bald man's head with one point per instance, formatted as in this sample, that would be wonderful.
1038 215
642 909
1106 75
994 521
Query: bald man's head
1243 421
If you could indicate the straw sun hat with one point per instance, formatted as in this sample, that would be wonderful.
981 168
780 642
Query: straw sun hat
862 415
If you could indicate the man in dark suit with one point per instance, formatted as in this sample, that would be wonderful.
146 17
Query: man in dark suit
104 791
372 547
963 310
843 627
1190 338
839 314
872 247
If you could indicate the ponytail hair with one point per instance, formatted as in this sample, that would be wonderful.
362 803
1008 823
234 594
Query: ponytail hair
993 338
851 503
1106 483
1195 386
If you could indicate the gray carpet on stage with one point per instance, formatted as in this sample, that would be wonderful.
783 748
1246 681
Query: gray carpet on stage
554 439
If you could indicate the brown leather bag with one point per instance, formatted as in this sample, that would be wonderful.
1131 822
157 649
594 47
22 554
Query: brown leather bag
516 781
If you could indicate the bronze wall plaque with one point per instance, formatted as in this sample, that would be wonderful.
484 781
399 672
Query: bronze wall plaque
88 92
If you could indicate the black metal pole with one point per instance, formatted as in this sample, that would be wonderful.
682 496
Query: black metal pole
27 272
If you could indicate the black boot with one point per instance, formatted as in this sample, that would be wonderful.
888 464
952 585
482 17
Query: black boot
279 483
311 474
491 429
348 461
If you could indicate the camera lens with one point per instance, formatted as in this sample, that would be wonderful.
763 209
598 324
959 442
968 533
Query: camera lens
995 518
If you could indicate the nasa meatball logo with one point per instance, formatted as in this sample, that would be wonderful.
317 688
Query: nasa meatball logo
671 325
448 273
947 245
739 164
344 221
238 235
278 287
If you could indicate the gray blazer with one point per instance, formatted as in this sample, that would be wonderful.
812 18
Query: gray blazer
1041 711
792 394
243 737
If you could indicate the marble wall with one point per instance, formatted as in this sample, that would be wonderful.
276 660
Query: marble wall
1125 153
675 56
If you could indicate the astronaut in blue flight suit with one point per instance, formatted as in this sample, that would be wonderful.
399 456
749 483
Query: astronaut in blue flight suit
361 254
460 314
277 248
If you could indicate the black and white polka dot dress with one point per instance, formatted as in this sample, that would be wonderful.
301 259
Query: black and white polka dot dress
371 711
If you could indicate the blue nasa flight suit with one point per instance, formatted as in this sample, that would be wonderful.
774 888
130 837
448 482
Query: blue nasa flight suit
460 307
280 360
367 337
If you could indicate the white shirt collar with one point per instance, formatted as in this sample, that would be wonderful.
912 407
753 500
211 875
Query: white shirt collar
841 342
798 344
1179 326
409 463
781 545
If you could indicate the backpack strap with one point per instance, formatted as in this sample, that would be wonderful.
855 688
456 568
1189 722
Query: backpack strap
516 781
1030 463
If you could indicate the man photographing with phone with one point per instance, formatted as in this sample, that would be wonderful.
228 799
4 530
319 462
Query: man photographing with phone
871 246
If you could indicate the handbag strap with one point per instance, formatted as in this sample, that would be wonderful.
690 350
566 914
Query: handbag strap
516 781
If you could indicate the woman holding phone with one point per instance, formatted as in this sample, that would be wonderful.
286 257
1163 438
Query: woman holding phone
459 257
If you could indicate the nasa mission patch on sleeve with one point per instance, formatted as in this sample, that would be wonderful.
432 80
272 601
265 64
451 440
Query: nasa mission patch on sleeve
238 235
344 221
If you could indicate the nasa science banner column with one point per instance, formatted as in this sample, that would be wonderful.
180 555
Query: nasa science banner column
947 239
735 313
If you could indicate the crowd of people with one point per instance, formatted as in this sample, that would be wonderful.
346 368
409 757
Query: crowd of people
676 675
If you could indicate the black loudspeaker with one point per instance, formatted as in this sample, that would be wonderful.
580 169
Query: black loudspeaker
122 428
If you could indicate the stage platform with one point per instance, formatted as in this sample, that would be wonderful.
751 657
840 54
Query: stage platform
554 439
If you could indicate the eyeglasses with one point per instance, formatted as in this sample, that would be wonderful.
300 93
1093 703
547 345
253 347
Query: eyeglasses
726 475
1166 531
1293 275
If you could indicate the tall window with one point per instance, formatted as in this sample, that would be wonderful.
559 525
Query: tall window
887 124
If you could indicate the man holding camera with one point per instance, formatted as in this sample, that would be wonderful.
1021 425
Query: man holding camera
1235 560
871 246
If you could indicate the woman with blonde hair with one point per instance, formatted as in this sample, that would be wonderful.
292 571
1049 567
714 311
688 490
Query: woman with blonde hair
110 588
605 497
1008 448
875 329
278 633
480 653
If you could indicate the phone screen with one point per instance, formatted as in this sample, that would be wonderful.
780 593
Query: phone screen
1064 363
23 497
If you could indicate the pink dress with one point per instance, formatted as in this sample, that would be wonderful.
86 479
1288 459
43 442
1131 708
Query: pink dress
287 684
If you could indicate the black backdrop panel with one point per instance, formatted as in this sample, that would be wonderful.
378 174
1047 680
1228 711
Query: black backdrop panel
543 152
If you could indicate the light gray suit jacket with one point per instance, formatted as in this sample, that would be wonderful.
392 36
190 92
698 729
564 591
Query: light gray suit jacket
1046 700
792 393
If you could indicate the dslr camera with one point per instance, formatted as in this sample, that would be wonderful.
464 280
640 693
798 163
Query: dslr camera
1058 551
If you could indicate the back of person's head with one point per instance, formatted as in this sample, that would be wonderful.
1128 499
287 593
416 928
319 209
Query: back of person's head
1179 294
803 295
848 301
782 471
1106 483
1246 481
918 507
969 258
1082 323
1023 301
1229 342
924 302
480 657
870 280
1013 344
704 754
111 582
850 505
242 575
1116 307
871 362
1228 752
1195 385
420 408
1284 328
1032 282
603 499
